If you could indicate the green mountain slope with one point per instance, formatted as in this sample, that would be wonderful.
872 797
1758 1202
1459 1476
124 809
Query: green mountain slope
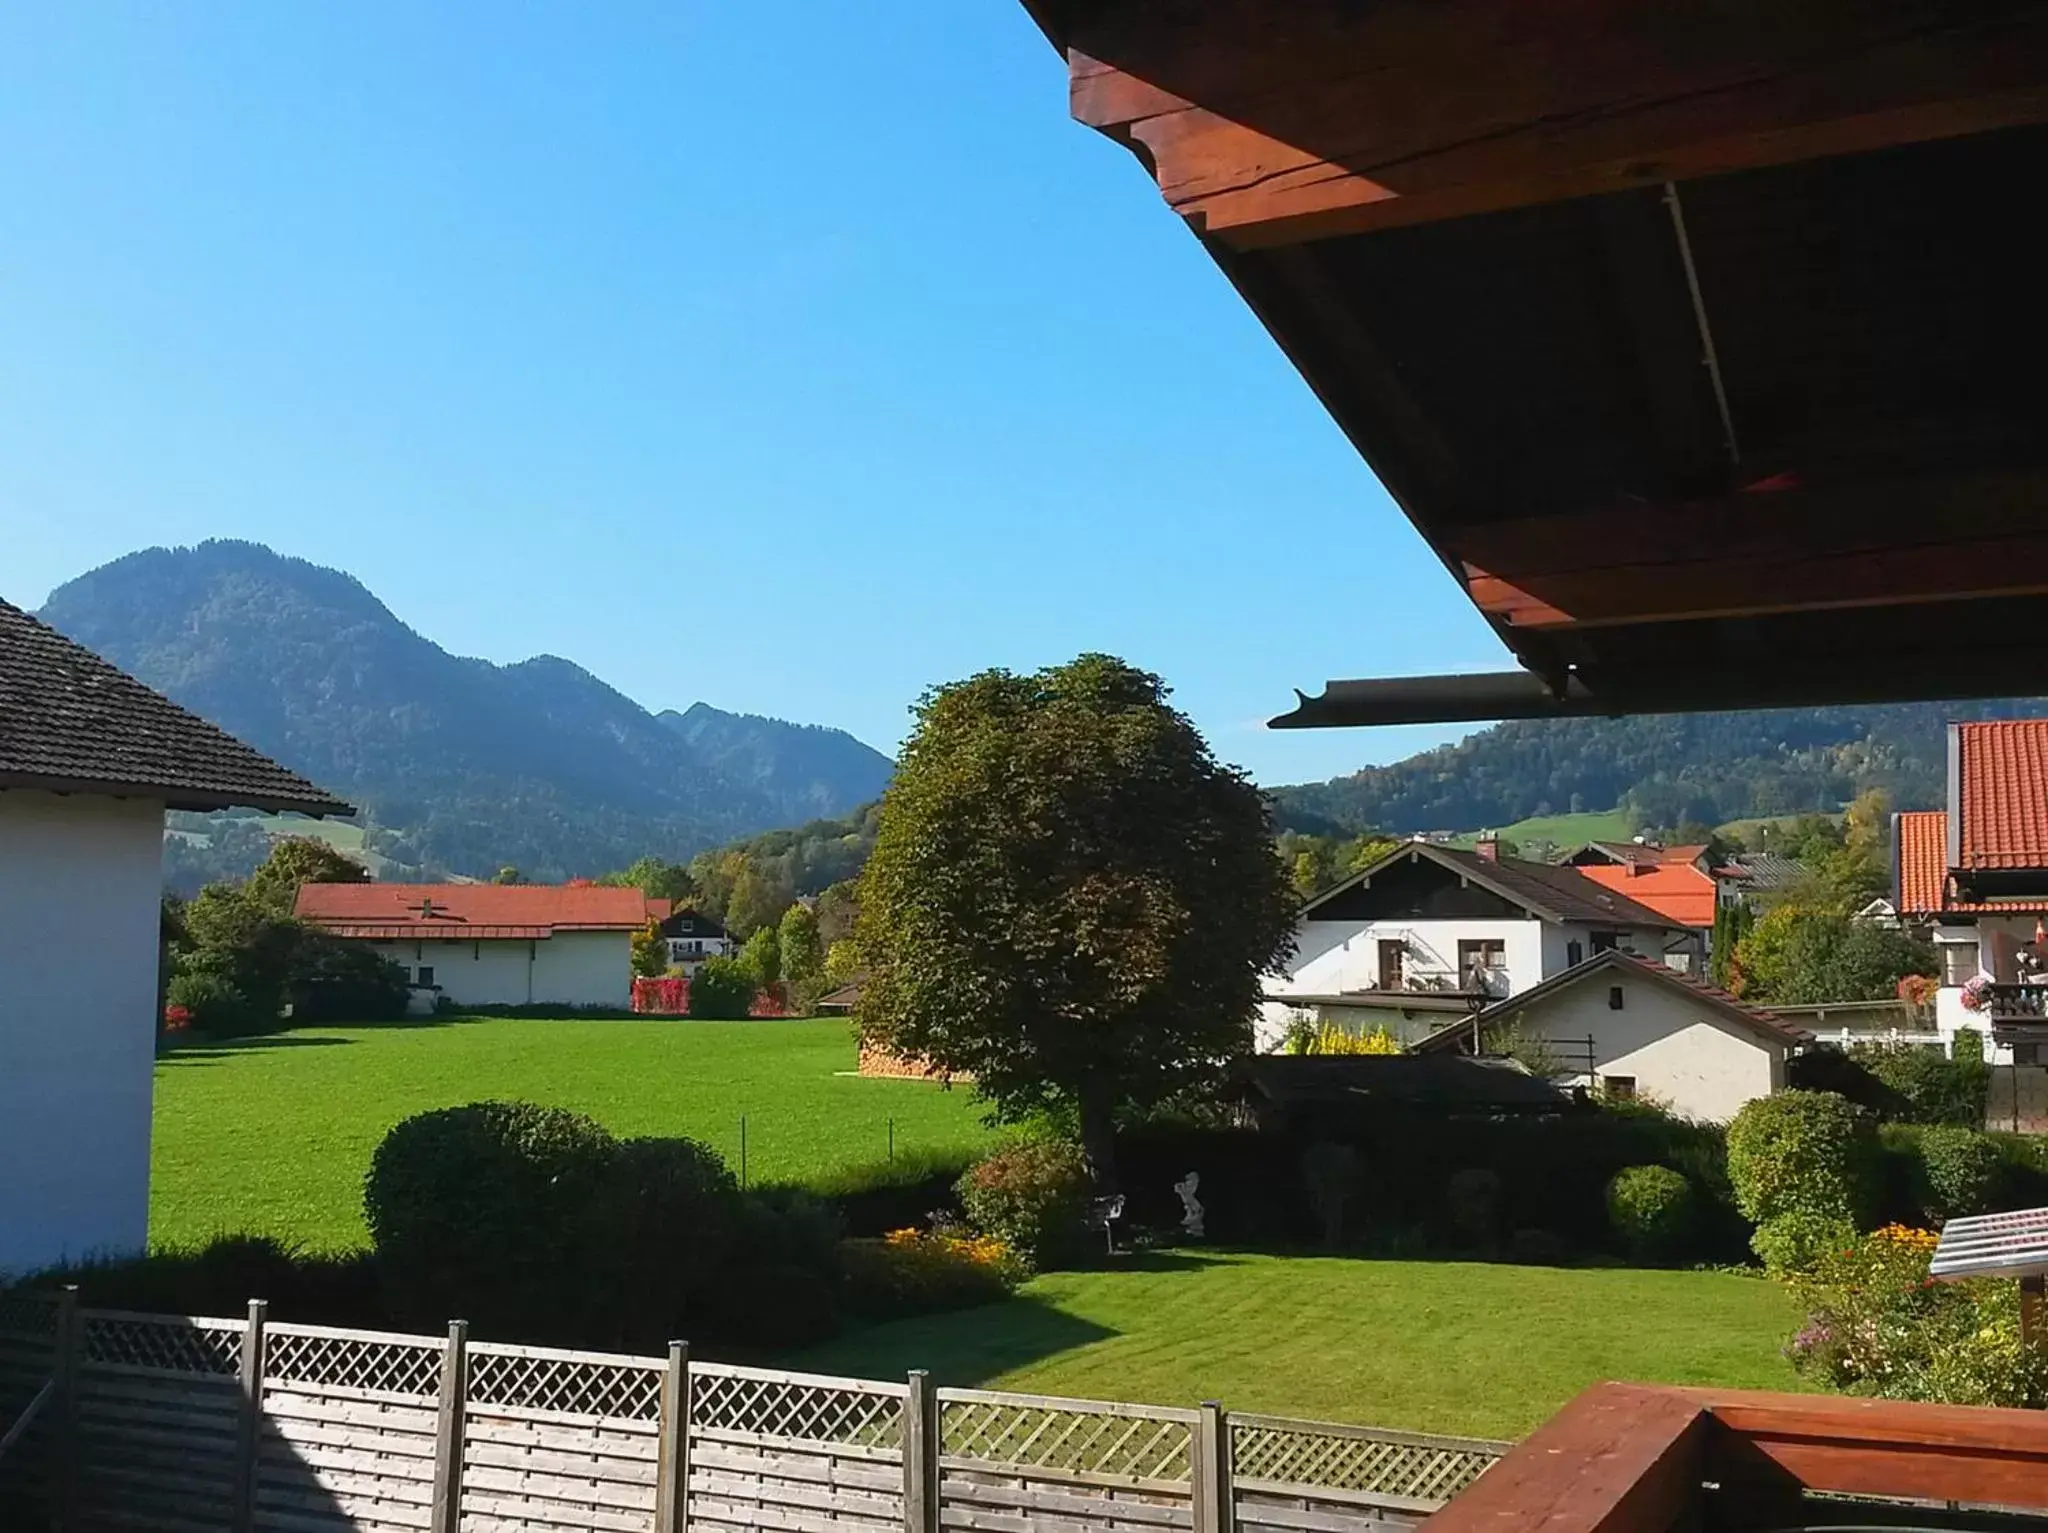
461 765
1708 767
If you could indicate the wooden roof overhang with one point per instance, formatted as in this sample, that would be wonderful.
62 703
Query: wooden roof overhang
1703 342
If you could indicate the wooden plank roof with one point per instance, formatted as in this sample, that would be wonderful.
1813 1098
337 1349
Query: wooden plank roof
1700 341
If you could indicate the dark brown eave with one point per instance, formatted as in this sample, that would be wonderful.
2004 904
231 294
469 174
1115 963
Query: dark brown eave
1692 338
175 796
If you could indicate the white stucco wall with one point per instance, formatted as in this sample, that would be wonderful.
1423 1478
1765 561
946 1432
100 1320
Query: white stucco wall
1680 1051
81 878
1335 957
567 969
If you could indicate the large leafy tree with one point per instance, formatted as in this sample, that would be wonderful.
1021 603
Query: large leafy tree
299 860
1069 898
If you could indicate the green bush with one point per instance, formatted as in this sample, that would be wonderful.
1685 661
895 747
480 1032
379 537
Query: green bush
215 1004
722 989
504 1212
1931 1086
1793 1242
335 981
1961 1172
1803 1152
875 1197
1031 1195
1330 1172
1652 1209
678 1214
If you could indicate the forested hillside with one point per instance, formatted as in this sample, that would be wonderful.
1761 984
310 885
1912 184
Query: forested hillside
1664 770
461 766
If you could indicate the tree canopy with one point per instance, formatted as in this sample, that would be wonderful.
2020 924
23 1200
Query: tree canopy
1069 898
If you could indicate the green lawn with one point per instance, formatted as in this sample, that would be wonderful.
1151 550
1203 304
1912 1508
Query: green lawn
1463 1347
1565 830
273 1135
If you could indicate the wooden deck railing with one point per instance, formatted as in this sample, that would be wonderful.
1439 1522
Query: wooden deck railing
1625 1458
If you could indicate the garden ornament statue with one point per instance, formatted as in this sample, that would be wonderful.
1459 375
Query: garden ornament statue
1190 1205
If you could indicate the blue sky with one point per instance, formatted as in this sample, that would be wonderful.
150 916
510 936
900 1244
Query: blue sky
788 356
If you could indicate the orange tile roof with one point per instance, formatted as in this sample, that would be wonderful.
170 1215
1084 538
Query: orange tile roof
468 910
1922 852
1921 849
1677 891
2002 791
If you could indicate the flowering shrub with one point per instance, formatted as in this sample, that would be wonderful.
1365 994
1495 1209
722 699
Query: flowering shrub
1879 1325
1032 1196
1977 993
177 1019
1918 990
916 1272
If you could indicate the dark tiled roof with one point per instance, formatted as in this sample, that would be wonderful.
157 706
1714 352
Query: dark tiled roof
1766 870
1560 891
71 722
691 923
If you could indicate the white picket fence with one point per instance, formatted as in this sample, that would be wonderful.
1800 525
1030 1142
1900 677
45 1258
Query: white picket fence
190 1423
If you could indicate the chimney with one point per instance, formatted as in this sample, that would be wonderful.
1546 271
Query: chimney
1488 846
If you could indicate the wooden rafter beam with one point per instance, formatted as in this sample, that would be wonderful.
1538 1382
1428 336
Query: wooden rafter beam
1266 128
1893 543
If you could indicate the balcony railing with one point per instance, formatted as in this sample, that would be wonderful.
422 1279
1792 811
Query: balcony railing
2023 1004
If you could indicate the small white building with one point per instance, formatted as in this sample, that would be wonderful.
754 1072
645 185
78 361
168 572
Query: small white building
89 760
1631 1029
492 944
1420 938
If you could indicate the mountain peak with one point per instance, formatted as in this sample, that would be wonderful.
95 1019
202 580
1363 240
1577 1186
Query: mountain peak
461 764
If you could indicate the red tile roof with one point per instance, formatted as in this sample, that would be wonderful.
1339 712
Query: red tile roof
1677 891
411 911
1920 839
2002 792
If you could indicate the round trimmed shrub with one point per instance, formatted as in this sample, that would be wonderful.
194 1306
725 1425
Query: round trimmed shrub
1804 1152
1032 1196
1652 1211
504 1212
1793 1242
1960 1172
1472 1198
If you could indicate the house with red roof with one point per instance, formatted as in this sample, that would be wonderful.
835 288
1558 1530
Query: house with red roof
1976 876
1629 1028
491 944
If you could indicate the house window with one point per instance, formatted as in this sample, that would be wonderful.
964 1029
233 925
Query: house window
1606 942
1479 959
1959 963
426 974
1390 964
1618 1088
1574 953
1614 998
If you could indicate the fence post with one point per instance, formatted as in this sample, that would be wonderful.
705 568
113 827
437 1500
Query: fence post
672 1472
1209 1464
64 1367
242 1516
920 1455
447 1511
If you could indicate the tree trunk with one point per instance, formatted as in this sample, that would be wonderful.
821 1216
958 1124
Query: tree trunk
1098 1135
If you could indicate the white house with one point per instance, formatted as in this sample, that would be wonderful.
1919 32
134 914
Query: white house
89 760
691 937
1424 935
492 944
1975 875
1630 1028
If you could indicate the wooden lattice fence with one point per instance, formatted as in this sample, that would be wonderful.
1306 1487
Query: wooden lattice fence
184 1423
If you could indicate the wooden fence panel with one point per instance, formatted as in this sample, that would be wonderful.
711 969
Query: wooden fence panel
347 1438
804 1453
370 1432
